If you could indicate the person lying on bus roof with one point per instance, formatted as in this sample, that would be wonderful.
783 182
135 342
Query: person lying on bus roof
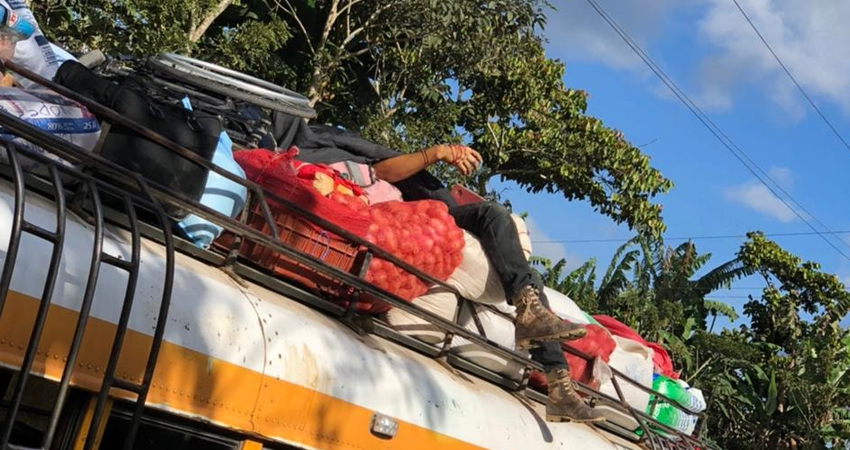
537 327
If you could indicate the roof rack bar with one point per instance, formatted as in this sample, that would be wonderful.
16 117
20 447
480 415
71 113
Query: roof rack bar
132 268
574 351
82 319
626 408
162 316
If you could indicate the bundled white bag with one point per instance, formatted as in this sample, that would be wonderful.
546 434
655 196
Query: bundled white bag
439 301
499 328
470 277
53 114
565 307
524 236
475 278
634 361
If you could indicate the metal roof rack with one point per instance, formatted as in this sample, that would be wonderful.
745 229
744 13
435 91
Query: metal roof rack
95 174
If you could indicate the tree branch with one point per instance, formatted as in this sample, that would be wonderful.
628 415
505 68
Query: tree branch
198 32
289 9
366 23
314 92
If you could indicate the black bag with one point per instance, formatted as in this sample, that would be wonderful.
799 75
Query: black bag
123 146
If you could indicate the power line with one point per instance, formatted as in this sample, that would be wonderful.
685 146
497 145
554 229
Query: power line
716 131
808 98
793 79
689 238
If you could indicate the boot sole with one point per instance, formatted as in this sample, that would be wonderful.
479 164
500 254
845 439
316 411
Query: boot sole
528 343
565 419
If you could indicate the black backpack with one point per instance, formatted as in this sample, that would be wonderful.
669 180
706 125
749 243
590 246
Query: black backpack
198 133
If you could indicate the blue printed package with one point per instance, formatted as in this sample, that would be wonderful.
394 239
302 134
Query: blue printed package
16 24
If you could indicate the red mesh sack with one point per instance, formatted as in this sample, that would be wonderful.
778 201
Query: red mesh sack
274 171
422 234
660 358
597 343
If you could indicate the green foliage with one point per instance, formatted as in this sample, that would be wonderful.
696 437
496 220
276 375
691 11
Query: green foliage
247 35
780 382
652 288
249 46
798 397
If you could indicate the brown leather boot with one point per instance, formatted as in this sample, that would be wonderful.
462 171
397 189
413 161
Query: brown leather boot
565 405
535 324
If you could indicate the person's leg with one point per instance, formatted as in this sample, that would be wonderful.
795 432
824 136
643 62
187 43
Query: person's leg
492 224
536 325
548 353
564 403
494 227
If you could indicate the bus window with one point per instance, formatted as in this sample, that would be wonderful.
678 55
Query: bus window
34 413
160 433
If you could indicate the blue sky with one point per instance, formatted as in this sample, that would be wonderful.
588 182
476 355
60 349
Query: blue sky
710 51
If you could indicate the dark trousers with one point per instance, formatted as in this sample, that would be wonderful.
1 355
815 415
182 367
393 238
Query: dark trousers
493 226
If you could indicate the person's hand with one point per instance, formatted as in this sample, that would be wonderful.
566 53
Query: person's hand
465 159
7 48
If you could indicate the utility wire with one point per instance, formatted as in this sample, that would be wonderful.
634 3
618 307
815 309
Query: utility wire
718 133
703 238
793 79
807 97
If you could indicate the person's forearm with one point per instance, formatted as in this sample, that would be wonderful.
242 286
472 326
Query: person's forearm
402 167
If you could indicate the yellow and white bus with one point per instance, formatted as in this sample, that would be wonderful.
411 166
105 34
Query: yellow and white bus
115 334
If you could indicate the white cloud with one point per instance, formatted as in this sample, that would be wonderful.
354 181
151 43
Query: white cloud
577 32
758 197
809 36
783 176
554 251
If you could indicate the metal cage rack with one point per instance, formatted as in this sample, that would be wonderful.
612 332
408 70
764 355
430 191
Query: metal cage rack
80 186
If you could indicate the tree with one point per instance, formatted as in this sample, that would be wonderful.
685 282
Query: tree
654 289
405 73
779 382
243 35
791 389
645 278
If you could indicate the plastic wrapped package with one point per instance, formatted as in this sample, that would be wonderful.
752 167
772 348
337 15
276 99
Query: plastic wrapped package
634 361
53 114
220 194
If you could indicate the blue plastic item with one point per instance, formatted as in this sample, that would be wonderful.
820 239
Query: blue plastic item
220 194
11 21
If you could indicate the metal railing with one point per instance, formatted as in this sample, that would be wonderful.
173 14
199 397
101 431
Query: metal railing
89 204
97 174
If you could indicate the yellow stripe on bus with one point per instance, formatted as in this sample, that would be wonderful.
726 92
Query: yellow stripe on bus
199 385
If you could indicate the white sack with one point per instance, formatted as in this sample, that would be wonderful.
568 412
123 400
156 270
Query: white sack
498 329
634 361
565 307
438 301
524 236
